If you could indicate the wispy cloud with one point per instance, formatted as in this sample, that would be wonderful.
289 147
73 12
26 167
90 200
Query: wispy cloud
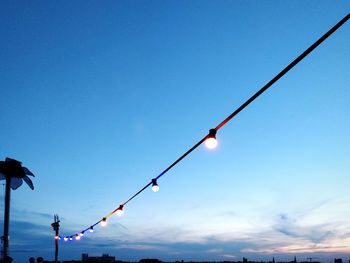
283 233
315 233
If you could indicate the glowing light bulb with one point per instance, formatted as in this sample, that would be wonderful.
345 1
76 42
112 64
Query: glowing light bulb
70 238
91 229
104 221
155 187
77 237
65 238
119 211
56 237
81 234
211 141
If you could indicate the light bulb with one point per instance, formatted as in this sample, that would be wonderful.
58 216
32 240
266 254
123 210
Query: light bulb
56 237
77 237
91 229
104 221
70 238
211 141
81 234
65 238
155 187
119 211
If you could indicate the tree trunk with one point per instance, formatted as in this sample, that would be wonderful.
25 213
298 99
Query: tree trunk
7 218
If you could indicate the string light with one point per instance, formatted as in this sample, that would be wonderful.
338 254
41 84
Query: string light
120 210
210 139
57 237
155 187
104 221
77 237
82 234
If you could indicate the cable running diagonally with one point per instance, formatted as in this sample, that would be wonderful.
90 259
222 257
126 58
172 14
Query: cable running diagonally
212 132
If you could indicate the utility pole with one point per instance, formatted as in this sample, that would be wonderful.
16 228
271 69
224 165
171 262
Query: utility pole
56 227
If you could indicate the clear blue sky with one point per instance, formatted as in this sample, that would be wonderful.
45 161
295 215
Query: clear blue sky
98 97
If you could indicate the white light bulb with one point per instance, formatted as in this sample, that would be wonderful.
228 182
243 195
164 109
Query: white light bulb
155 188
77 237
119 211
65 238
91 230
81 234
104 222
211 143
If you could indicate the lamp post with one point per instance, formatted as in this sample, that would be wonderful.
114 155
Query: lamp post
56 227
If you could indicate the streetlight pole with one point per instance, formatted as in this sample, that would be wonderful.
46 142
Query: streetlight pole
56 227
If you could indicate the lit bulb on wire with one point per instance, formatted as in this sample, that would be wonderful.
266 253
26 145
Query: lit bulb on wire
65 238
70 238
57 237
104 221
81 234
155 187
77 237
120 210
211 141
91 229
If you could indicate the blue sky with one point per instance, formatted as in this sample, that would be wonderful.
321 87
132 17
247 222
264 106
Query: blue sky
99 97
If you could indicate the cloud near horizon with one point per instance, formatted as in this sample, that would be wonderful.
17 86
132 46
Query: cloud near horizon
285 234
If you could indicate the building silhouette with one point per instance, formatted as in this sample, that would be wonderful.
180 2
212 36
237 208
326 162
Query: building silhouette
105 258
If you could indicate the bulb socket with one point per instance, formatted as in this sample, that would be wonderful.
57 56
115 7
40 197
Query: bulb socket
212 133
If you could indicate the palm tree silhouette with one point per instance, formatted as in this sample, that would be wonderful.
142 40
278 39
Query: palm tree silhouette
14 173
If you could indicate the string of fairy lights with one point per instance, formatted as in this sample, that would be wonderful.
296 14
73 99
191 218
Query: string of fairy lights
209 139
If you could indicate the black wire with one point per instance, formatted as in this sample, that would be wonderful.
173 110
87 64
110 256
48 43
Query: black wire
252 98
245 104
183 156
139 192
285 70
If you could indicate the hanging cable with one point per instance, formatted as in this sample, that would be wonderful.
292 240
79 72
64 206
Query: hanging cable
211 136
